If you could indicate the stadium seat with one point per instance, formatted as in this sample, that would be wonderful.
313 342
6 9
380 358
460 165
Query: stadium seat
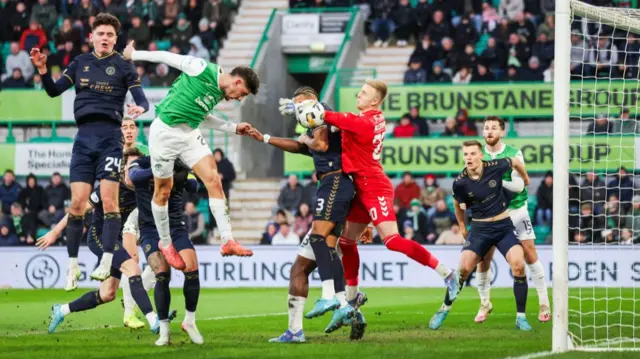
541 233
449 200
41 232
482 43
203 207
163 45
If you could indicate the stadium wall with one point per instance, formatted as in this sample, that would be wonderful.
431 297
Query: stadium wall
270 267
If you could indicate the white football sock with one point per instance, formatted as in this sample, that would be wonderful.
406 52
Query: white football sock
537 275
443 270
65 310
342 297
127 298
296 307
484 285
148 278
189 317
352 291
445 307
151 318
220 212
73 262
328 289
161 218
165 331
521 315
106 260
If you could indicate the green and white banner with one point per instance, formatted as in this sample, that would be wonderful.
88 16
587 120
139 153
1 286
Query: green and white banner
501 99
444 155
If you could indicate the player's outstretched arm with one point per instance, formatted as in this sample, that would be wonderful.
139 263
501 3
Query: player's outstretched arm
190 65
214 123
51 237
285 144
320 140
518 166
53 89
345 121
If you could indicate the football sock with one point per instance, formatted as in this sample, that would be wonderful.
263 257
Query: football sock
127 298
412 249
189 317
140 295
537 274
148 278
110 231
220 212
520 289
324 263
191 290
162 295
75 225
88 301
338 271
351 263
296 307
484 285
161 218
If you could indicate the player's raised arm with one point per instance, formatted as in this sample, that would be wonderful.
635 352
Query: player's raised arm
51 237
285 144
516 185
53 89
346 121
214 123
190 65
135 87
518 166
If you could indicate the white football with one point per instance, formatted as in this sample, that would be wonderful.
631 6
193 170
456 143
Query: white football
310 113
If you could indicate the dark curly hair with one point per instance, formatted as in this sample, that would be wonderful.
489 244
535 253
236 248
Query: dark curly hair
249 76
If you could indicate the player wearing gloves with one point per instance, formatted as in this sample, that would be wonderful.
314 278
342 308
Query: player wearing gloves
175 134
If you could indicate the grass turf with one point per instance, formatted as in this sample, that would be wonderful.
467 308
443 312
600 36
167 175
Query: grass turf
238 323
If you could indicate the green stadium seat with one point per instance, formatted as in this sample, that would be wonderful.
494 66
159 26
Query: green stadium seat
203 207
482 43
541 233
449 200
41 232
163 45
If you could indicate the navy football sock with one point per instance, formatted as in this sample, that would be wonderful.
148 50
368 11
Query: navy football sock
162 295
110 231
88 301
338 271
191 290
140 295
323 257
75 225
520 290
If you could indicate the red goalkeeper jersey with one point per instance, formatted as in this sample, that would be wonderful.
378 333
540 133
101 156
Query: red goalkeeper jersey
362 137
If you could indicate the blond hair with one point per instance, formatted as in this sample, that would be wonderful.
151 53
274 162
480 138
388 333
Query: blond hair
380 87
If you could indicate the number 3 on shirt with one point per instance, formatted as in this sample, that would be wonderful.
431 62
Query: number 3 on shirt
377 143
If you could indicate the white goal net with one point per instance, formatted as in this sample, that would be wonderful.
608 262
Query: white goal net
601 302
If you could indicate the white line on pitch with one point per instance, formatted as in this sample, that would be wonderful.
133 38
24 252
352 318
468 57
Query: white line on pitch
533 355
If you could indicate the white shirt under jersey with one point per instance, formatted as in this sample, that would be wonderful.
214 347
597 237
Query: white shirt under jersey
516 185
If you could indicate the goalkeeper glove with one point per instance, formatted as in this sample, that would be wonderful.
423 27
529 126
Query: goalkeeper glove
287 107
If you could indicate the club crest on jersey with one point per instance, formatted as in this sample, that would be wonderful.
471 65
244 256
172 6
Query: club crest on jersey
492 183
110 70
86 69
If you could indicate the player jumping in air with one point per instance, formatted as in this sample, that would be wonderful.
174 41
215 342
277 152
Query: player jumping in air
495 149
362 136
174 134
122 264
479 187
102 79
319 247
141 175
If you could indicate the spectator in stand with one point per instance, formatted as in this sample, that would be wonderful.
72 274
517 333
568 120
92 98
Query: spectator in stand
16 81
309 191
494 56
601 125
603 58
548 27
579 53
439 28
57 193
68 33
109 7
451 128
218 15
449 55
593 191
9 191
181 33
626 236
163 77
548 7
33 200
226 171
511 8
293 4
519 52
545 201
635 217
280 217
466 33
625 124
382 24
197 49
17 223
463 76
513 74
417 219
207 36
84 11
34 36
8 238
415 74
438 75
168 16
423 14
614 218
19 21
139 32
194 220
543 49
144 78
268 234
36 82
401 217
441 220
501 32
534 72
490 17
409 232
405 128
469 58
405 21
420 122
45 14
193 10
524 28
622 187
431 193
406 191
285 236
465 124
66 55
451 236
631 60
290 195
482 74
18 59
426 52
302 221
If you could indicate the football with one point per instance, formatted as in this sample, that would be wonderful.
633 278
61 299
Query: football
310 114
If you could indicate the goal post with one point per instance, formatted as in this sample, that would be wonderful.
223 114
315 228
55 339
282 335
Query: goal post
602 316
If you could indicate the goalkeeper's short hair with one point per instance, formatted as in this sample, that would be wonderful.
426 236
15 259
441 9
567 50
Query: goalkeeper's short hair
307 91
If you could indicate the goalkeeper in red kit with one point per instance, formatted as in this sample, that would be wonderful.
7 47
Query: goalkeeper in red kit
362 136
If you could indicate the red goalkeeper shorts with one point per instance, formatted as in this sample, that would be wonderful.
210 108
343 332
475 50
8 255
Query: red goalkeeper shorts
373 201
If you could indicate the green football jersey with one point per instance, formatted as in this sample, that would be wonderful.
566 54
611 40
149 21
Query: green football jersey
519 200
191 98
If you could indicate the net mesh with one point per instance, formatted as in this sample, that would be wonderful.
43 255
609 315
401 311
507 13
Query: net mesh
604 221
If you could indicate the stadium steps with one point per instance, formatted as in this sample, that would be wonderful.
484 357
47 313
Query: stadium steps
250 205
389 62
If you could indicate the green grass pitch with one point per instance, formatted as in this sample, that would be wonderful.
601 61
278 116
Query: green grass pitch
238 323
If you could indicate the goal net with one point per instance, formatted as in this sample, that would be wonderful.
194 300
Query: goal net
597 273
